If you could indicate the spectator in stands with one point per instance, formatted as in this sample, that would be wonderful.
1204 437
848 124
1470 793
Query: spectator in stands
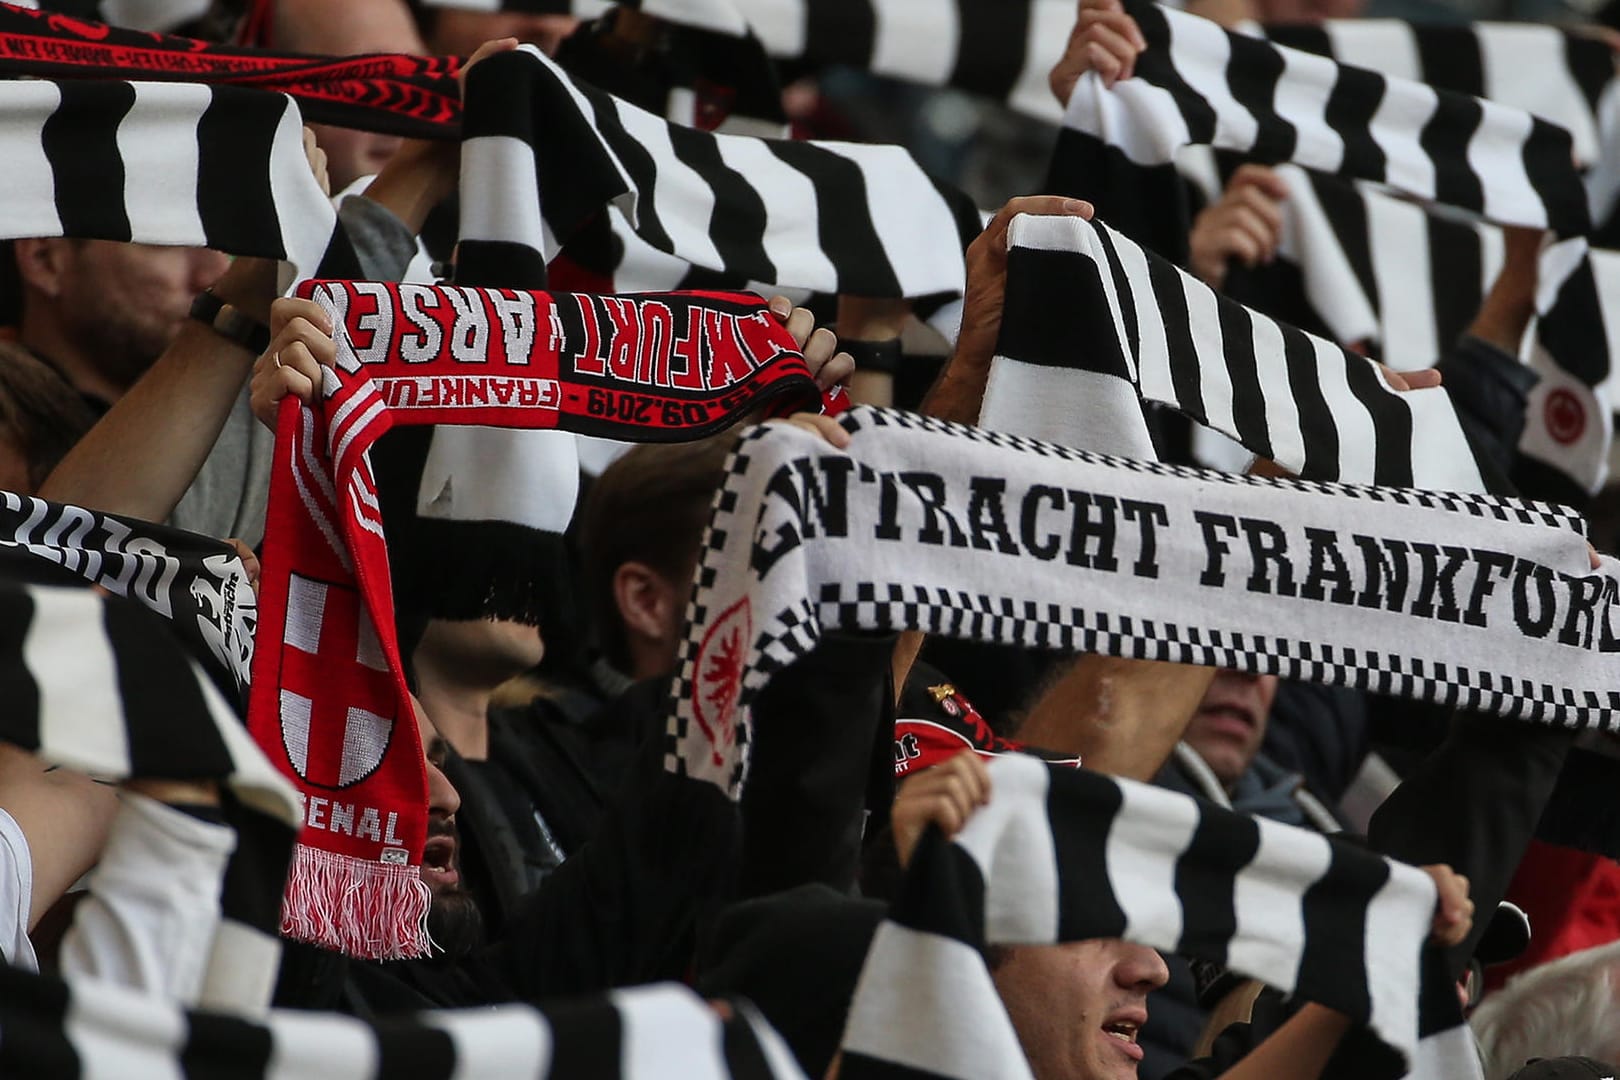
100 312
112 319
1219 757
639 531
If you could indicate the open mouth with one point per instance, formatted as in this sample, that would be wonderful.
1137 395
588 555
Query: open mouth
1123 1030
439 857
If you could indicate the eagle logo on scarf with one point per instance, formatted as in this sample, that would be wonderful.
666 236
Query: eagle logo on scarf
227 613
718 675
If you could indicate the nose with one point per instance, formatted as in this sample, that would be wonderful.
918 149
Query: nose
1140 968
443 798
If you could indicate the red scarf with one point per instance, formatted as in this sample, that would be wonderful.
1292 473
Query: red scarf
414 96
329 702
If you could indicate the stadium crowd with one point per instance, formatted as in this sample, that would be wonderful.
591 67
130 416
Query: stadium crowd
565 856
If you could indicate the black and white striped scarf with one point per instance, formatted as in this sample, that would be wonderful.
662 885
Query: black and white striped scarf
165 163
94 684
196 583
923 525
1369 266
1563 76
1063 855
1200 85
545 159
84 1029
412 96
1001 49
1094 322
543 155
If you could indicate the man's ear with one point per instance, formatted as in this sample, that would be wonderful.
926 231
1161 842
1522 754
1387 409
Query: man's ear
42 263
645 601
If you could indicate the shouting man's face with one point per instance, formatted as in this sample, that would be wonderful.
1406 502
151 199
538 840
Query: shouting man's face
1079 1007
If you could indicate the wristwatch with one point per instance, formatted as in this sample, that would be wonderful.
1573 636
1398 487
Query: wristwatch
882 357
229 323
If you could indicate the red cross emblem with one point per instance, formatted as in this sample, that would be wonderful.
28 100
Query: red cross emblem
338 700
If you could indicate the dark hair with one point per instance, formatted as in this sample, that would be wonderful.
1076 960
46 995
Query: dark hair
650 506
40 414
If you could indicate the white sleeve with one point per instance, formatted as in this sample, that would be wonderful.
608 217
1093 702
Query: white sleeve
153 909
16 895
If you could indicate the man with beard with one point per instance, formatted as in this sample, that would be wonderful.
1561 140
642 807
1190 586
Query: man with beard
619 912
101 313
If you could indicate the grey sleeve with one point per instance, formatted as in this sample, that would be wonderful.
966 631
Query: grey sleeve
382 242
229 495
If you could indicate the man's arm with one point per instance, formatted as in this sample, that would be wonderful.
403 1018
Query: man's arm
143 455
1120 716
64 817
959 391
1507 309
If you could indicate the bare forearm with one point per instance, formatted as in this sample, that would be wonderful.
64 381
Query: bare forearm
1122 717
1509 306
419 176
862 319
143 455
1299 1050
63 815
958 393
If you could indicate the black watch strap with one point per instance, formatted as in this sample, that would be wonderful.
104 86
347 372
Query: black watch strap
229 323
882 357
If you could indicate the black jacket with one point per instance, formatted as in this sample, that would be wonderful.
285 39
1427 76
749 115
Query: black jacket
667 852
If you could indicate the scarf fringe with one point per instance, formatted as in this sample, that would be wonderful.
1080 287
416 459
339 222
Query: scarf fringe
519 573
370 910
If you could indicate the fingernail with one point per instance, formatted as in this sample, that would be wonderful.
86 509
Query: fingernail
1074 206
780 305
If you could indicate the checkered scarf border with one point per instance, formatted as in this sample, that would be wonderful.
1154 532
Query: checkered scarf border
960 531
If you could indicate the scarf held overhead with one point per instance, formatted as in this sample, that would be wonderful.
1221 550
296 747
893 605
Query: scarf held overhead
391 93
220 167
196 583
329 702
88 1029
1062 855
1095 323
1199 85
543 154
923 525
